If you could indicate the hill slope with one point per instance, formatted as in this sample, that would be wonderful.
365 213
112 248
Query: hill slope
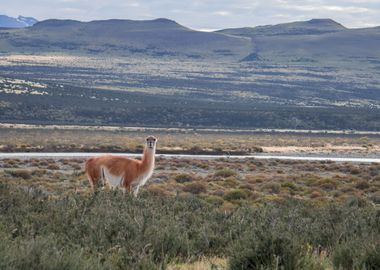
307 75
311 27
314 40
156 37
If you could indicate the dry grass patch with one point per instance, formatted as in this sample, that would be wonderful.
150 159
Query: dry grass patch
24 174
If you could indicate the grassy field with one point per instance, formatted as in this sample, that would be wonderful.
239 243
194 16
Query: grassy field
192 214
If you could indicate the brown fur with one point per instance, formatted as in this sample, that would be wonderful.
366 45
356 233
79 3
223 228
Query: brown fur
130 169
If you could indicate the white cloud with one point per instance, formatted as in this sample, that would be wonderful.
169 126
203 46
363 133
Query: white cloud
221 13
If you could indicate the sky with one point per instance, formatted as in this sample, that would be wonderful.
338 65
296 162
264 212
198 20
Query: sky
202 15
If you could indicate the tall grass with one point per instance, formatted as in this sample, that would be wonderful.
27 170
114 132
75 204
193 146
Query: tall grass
112 231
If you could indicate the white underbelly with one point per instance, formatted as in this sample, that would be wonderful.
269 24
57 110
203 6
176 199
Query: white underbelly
113 181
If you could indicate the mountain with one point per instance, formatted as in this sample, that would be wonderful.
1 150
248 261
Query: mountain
160 37
309 75
28 21
340 47
311 27
316 40
311 41
19 22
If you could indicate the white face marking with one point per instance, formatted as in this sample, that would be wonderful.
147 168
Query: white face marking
151 142
113 181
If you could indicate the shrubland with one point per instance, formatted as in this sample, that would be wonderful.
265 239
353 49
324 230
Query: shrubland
109 230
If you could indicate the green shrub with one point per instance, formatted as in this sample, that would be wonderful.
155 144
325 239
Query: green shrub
110 230
357 254
195 188
375 198
272 187
371 258
289 185
183 178
236 194
215 200
266 252
343 257
43 253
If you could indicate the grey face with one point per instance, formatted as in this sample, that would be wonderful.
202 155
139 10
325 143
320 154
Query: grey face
151 141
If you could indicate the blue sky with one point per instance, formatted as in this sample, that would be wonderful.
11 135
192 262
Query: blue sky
206 14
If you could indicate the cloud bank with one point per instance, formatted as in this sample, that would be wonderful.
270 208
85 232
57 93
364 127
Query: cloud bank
206 14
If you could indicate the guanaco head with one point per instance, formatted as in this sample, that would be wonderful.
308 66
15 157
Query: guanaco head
151 141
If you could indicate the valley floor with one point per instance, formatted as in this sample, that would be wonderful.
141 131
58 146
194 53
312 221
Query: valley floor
55 138
193 213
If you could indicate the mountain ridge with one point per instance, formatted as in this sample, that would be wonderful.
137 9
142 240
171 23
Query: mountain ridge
158 72
160 37
313 26
313 40
19 22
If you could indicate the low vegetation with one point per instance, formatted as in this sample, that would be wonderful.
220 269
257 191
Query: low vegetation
111 231
193 214
94 139
229 181
185 91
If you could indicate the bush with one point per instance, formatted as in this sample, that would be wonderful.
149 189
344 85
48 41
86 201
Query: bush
272 187
24 174
195 188
375 198
215 200
183 178
236 194
371 258
356 254
53 167
266 252
315 194
43 253
39 172
343 257
225 173
363 184
110 230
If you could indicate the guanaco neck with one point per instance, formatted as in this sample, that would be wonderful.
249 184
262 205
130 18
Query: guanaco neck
147 161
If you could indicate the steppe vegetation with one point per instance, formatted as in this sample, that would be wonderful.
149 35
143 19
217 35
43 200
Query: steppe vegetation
176 92
193 213
227 183
109 230
192 141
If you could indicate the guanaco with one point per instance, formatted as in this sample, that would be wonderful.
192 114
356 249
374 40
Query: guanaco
122 172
